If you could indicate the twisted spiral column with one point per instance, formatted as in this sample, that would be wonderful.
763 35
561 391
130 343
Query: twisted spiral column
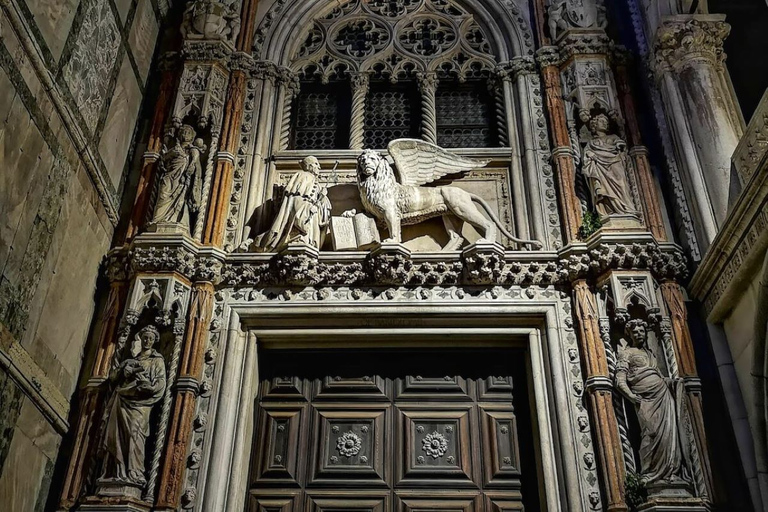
360 86
428 89
496 88
291 90
178 332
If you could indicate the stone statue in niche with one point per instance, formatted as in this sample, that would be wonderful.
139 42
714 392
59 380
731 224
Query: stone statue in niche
211 20
395 197
605 163
179 190
138 384
658 401
304 214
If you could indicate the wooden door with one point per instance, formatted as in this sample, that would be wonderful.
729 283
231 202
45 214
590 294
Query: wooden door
393 431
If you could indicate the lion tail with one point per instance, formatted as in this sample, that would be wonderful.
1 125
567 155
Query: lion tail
533 244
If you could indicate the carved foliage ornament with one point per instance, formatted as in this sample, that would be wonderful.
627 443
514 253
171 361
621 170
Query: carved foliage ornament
679 43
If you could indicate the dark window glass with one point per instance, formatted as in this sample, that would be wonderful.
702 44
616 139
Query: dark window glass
391 112
464 116
321 119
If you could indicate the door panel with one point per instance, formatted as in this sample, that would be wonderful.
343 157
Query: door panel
349 446
373 432
435 447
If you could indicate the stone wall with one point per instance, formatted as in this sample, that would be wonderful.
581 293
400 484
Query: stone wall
72 80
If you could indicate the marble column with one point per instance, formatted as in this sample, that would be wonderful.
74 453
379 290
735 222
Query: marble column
428 88
701 109
562 152
360 84
599 389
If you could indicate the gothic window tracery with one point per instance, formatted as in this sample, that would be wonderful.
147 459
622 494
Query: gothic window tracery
381 50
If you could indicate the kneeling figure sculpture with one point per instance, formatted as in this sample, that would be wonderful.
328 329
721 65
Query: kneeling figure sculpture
396 197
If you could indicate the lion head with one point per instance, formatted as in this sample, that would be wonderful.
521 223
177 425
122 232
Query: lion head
376 180
368 162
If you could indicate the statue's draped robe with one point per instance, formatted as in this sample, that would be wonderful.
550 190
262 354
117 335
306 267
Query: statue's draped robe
127 428
180 184
303 217
605 167
659 414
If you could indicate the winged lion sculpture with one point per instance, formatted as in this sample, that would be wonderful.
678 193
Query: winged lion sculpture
396 197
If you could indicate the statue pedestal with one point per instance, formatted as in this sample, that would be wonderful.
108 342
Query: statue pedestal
168 228
115 497
118 489
299 249
623 222
672 497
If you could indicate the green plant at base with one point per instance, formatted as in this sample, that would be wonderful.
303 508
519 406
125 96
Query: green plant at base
589 224
635 493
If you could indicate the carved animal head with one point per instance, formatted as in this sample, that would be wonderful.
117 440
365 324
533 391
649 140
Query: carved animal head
368 163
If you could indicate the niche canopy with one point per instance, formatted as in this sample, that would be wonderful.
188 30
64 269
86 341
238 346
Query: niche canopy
375 37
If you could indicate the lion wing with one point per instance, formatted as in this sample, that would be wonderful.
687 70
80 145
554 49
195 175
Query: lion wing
418 162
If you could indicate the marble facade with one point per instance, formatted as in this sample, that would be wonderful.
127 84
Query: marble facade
170 174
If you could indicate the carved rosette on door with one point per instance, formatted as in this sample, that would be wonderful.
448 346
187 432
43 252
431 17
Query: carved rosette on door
380 443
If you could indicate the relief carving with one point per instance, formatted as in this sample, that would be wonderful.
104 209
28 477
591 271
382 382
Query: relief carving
564 15
139 383
211 20
179 189
395 197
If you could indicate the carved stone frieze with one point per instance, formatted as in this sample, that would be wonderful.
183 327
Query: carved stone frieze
680 42
394 264
751 151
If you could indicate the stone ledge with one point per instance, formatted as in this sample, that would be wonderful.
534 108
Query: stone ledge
483 264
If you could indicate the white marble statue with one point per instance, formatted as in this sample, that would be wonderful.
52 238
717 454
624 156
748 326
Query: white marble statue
605 163
138 384
396 197
658 402
304 214
179 189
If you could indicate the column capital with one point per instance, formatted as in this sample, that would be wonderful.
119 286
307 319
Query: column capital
683 40
427 82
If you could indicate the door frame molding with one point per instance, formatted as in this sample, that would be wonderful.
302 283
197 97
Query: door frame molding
541 323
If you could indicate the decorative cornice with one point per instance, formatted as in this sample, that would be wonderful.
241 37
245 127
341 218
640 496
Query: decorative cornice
737 251
518 66
752 151
206 51
683 40
548 56
584 42
478 264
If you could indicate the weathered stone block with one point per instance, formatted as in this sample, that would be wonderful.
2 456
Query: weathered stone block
54 19
143 36
118 131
